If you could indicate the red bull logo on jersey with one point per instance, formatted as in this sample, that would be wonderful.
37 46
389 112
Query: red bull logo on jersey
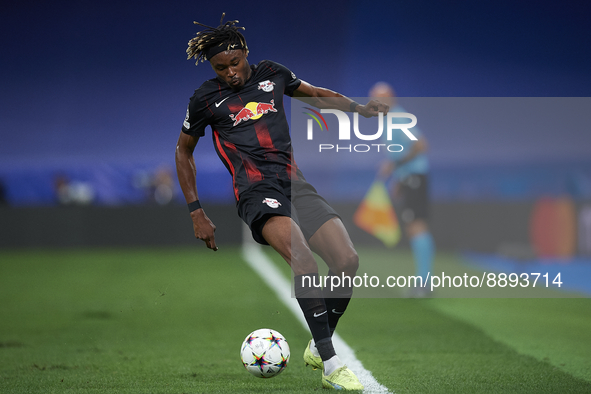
273 203
253 110
266 86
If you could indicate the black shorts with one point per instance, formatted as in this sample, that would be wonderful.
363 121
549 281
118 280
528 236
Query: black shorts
413 198
296 199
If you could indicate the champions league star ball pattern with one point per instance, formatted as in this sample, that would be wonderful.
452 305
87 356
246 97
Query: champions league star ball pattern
264 353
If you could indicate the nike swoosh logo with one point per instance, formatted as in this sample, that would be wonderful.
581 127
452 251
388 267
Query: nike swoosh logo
220 103
319 314
338 313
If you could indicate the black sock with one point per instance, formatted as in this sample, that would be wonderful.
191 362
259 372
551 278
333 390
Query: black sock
325 349
312 304
337 299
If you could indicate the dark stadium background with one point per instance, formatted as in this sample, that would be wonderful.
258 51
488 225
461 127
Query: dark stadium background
95 93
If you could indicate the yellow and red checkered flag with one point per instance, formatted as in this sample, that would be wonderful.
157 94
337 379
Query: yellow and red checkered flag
376 215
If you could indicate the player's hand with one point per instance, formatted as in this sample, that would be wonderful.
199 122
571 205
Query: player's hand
204 228
373 108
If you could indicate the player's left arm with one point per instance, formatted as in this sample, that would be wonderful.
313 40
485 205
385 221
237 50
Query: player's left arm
336 100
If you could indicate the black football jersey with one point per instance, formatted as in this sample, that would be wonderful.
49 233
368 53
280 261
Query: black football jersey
250 130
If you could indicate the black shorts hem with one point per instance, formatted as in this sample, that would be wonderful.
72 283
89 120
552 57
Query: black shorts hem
266 199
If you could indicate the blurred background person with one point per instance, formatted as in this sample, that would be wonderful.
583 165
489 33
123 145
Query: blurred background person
407 171
158 185
73 192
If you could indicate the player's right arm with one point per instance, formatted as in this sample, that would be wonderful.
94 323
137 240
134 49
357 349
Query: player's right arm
186 171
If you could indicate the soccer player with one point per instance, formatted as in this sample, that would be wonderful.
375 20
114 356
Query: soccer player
243 105
410 169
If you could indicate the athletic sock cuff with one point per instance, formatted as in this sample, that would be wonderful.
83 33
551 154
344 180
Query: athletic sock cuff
303 286
325 349
341 288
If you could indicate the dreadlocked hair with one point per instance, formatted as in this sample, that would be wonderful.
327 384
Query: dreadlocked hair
226 33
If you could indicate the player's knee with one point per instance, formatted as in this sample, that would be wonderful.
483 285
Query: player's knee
353 262
348 263
303 266
302 260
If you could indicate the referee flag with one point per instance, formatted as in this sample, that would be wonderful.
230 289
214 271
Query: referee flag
376 215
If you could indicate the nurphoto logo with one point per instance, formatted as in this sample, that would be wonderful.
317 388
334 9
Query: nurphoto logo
344 133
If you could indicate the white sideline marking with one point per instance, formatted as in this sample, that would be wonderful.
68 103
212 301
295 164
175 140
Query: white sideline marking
266 269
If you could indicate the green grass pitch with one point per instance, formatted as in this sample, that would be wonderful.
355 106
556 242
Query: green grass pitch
171 320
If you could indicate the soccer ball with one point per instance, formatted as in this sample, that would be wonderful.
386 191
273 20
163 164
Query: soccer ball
264 353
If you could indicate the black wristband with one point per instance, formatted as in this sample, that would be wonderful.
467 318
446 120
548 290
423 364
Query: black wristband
353 105
193 206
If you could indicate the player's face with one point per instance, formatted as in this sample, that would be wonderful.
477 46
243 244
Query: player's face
232 67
